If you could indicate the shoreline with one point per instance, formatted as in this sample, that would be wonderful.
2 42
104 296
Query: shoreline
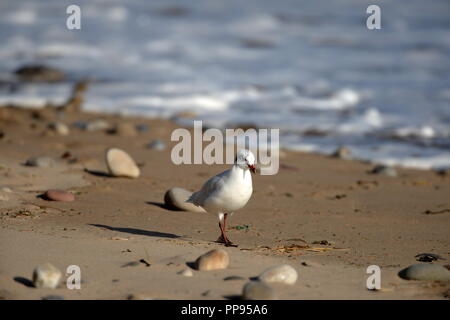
328 213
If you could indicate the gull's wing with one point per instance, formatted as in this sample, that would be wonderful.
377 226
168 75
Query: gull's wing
212 185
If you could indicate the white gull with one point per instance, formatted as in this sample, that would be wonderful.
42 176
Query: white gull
228 191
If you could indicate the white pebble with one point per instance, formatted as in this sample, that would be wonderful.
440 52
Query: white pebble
280 274
120 164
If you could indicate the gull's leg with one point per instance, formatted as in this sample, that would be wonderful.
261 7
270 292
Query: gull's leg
228 243
222 236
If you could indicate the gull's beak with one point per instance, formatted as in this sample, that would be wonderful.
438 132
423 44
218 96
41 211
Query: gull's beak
252 168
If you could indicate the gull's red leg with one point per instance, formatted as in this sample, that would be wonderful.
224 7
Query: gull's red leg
228 243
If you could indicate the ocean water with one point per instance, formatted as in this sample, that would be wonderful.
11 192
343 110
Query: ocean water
310 68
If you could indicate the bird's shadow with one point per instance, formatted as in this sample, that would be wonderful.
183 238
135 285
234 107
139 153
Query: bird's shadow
138 231
98 173
26 282
163 206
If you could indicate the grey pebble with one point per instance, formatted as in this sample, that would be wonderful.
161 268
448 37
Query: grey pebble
384 170
425 271
230 278
156 145
257 290
42 162
53 297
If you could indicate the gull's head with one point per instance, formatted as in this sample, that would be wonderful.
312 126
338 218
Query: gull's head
246 160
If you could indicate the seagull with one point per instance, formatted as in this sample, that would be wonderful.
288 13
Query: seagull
228 191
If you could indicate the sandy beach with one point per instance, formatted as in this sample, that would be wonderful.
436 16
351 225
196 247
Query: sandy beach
329 218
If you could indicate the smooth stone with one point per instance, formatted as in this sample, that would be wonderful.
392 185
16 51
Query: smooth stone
342 153
6 189
385 170
120 164
125 129
422 271
39 73
142 127
157 145
41 162
46 276
60 128
140 296
186 273
213 260
257 290
232 278
280 274
176 198
59 195
53 297
97 125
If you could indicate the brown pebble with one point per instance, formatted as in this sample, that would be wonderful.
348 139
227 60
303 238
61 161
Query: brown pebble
59 195
213 260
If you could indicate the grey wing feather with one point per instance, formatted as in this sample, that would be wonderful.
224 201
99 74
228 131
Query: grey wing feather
207 189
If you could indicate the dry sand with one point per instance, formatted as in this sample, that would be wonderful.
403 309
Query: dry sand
365 219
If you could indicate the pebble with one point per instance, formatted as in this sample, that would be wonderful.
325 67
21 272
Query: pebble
39 73
257 290
426 271
175 198
230 278
342 153
427 257
6 189
156 145
213 260
60 128
384 170
46 276
41 162
142 127
59 195
125 129
120 164
140 296
281 274
186 273
53 297
97 125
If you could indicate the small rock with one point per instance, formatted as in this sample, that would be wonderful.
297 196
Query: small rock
142 127
280 274
39 73
46 276
256 290
53 297
342 153
384 170
213 260
156 145
6 189
140 296
186 273
60 128
232 278
97 125
120 164
428 257
125 129
59 195
41 162
427 271
176 198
